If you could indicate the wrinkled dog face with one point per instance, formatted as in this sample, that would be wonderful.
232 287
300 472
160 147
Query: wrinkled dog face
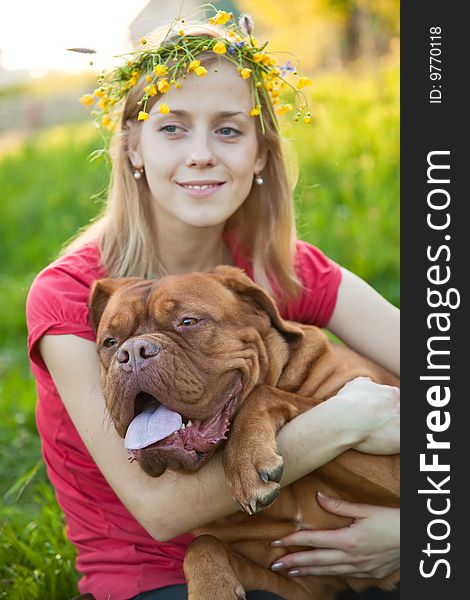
178 357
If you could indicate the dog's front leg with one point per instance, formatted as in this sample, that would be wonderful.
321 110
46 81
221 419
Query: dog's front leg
214 572
252 463
208 571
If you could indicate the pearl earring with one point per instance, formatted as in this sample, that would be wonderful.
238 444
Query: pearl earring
259 180
138 173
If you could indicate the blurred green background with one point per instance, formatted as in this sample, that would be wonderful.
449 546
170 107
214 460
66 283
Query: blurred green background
347 203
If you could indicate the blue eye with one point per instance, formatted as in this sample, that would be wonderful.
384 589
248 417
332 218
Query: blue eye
229 131
170 129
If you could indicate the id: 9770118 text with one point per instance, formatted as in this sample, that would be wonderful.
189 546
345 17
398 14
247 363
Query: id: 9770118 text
435 64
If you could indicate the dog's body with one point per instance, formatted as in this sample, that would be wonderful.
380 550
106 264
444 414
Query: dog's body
213 349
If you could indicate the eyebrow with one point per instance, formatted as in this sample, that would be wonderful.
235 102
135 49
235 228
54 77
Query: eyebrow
223 113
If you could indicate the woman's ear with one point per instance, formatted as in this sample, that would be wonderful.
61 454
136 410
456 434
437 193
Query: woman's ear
133 144
261 161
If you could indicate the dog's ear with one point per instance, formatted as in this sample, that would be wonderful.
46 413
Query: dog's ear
236 280
100 292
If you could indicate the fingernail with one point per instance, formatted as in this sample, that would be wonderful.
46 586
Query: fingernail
277 543
277 566
293 572
321 495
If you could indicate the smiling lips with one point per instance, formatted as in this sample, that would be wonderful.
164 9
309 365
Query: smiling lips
201 188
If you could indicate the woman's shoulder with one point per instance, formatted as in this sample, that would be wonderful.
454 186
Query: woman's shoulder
77 267
59 293
313 266
320 277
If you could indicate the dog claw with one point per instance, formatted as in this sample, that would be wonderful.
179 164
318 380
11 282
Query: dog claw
256 505
274 475
269 498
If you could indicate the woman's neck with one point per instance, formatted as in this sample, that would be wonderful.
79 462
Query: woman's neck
185 249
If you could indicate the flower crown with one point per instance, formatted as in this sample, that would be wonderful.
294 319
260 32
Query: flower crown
176 57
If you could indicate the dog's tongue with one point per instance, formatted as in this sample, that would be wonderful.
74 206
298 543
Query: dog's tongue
150 426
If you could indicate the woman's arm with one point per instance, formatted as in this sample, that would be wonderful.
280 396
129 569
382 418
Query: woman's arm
366 322
165 506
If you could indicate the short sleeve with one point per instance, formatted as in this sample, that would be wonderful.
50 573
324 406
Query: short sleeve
57 303
321 278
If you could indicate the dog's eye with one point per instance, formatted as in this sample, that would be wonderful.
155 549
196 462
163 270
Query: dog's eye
108 342
189 321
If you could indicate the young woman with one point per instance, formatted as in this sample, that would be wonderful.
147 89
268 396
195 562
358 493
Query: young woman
199 180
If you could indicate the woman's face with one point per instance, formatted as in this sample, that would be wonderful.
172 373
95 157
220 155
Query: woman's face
200 158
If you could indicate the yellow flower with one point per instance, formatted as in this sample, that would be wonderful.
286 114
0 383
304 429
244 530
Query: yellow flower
132 81
142 116
163 86
98 92
135 73
160 70
258 57
304 81
181 32
275 93
254 112
307 120
258 84
220 18
193 65
164 109
148 78
268 86
219 48
152 91
103 103
201 71
87 100
106 121
245 73
143 41
177 85
284 108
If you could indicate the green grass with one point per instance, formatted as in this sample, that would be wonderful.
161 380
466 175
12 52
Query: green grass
347 204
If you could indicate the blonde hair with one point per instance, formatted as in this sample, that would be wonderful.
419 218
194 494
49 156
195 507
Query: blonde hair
263 227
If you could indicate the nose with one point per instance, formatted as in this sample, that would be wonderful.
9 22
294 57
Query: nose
200 153
136 354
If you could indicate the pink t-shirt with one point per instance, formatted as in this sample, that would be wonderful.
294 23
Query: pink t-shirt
116 556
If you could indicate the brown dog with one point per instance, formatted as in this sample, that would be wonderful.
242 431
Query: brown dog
188 357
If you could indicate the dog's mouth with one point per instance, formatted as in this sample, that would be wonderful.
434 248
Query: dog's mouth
155 427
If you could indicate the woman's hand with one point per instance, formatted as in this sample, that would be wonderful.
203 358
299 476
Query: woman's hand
374 412
369 547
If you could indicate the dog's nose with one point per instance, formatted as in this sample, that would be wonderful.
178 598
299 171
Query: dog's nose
136 354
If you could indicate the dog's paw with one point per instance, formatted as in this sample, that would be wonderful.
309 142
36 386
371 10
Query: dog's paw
254 477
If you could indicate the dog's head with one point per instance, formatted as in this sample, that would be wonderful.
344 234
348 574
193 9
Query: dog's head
179 355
